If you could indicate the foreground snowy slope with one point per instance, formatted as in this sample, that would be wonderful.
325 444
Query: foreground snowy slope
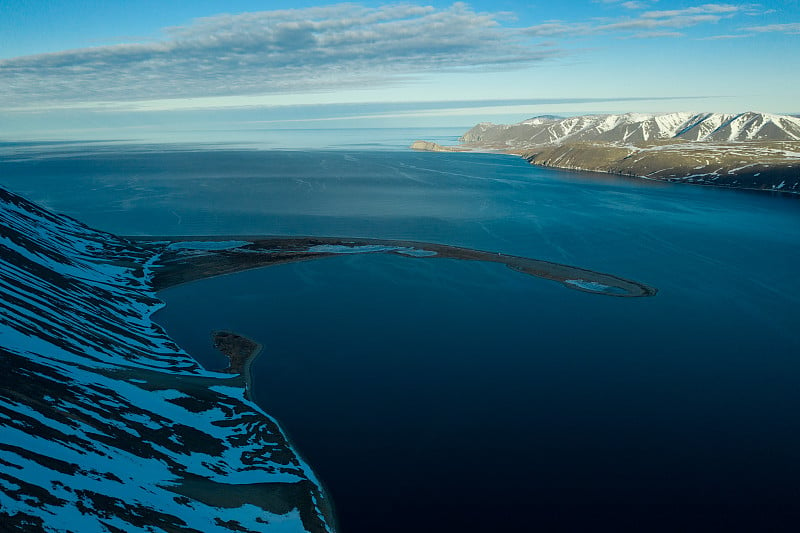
105 424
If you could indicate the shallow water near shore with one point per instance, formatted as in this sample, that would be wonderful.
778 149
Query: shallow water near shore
463 395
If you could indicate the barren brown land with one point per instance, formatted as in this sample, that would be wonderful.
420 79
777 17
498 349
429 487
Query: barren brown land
772 166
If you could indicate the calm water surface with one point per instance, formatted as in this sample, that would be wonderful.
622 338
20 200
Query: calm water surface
463 395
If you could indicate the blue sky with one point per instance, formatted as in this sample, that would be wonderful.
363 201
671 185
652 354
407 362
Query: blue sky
100 69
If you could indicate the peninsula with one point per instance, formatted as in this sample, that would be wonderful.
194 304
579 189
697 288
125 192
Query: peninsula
750 150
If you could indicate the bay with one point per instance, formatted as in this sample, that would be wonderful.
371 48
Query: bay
465 396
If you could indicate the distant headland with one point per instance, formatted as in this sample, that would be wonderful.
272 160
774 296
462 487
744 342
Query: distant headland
747 150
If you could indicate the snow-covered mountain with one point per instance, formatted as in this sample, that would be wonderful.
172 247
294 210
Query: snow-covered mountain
636 128
106 424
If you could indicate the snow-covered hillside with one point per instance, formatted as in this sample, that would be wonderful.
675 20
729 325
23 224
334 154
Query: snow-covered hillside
105 424
637 128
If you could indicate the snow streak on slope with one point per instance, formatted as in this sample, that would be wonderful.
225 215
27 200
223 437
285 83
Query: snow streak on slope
637 128
105 424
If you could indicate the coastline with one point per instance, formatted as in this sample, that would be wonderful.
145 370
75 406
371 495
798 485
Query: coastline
680 174
242 351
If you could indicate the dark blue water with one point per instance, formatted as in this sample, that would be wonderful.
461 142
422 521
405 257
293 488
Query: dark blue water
465 396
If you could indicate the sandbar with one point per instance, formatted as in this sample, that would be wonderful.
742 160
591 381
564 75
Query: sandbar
183 264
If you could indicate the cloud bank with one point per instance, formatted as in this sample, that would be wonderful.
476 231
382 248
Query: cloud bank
293 50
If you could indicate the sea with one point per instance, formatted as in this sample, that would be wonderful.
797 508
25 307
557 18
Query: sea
434 394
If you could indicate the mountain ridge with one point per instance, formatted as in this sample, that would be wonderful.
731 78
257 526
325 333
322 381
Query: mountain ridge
638 128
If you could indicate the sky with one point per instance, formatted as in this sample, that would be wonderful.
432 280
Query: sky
130 69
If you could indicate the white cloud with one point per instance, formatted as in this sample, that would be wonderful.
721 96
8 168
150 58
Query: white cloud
790 28
656 34
559 28
726 36
648 23
634 5
320 48
628 4
717 9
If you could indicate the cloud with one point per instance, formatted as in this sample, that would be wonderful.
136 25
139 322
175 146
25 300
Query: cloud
319 48
717 9
792 28
635 4
726 37
656 34
648 23
558 28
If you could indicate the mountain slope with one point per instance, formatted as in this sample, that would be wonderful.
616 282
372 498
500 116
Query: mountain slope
105 424
757 166
746 150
